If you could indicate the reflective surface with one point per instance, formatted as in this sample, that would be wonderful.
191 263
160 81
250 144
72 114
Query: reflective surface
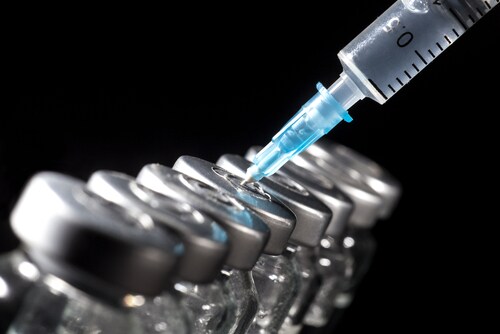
248 234
280 220
53 306
360 166
211 307
277 283
312 215
163 314
205 242
57 218
362 245
70 311
335 265
17 275
310 282
242 287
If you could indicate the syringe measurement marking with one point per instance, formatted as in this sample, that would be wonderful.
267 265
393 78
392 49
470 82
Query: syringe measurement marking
377 88
407 37
452 11
420 56
406 72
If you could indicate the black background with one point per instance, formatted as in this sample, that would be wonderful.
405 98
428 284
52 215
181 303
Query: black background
117 91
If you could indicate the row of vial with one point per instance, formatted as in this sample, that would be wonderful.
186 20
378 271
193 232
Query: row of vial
192 248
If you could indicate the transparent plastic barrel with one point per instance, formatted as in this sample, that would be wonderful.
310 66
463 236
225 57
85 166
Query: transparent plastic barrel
404 40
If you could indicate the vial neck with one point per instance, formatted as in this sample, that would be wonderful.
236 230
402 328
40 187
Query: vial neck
331 242
291 248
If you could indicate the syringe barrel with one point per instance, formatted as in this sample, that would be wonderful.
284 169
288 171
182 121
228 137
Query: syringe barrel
404 40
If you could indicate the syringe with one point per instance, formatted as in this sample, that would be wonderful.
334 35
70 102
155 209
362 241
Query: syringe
376 64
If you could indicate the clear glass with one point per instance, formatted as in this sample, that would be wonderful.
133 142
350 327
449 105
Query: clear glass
310 281
163 314
335 265
210 307
53 306
277 281
361 244
17 275
243 292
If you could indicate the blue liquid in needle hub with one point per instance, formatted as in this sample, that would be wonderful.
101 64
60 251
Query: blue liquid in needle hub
316 118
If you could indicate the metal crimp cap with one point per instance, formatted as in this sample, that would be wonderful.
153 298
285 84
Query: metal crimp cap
324 189
205 242
354 163
279 219
248 234
312 215
367 203
91 243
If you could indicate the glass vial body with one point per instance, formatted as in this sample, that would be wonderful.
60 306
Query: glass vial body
335 266
211 307
360 243
310 282
17 275
70 311
164 314
247 232
74 311
241 285
277 282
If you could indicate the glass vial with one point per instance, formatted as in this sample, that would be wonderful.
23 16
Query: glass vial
17 275
312 218
247 233
209 303
99 262
273 271
331 262
367 208
338 161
